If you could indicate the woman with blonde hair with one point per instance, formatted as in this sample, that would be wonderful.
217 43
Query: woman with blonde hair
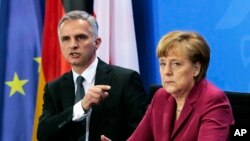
188 107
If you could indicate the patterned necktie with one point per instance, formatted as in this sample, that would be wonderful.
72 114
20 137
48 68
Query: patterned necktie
79 89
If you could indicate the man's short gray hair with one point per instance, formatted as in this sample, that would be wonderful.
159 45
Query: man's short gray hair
77 14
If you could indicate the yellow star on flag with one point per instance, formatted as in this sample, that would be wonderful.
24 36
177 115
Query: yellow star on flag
16 85
38 60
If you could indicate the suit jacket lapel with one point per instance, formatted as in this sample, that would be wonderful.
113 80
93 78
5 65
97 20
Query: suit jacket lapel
168 118
189 105
102 78
67 88
186 112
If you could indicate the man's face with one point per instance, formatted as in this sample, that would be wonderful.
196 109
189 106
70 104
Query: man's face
78 45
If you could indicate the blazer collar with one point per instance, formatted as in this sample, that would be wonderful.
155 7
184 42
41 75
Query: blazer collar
102 72
103 77
196 91
168 118
189 105
67 87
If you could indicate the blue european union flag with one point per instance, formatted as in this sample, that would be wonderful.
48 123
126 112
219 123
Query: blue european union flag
21 24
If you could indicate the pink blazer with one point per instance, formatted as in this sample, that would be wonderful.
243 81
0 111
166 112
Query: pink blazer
206 116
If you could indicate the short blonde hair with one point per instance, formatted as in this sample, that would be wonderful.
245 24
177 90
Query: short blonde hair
192 43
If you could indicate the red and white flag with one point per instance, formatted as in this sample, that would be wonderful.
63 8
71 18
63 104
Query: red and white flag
116 28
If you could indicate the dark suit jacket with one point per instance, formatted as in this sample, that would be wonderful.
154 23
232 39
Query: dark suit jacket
116 117
206 116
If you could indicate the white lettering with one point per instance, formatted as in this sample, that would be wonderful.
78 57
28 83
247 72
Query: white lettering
237 132
240 132
243 131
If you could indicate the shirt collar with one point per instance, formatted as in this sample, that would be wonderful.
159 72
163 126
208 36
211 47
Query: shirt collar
89 73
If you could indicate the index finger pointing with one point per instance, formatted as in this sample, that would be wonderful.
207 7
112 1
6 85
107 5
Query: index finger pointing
103 87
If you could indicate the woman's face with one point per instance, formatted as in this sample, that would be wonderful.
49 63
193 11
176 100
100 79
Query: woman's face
178 72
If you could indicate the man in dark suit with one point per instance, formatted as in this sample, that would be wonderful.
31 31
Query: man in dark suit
114 98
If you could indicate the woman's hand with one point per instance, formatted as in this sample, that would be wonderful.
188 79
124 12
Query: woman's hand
104 138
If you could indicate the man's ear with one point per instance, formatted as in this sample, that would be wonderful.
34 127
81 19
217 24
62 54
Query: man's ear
197 69
97 42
